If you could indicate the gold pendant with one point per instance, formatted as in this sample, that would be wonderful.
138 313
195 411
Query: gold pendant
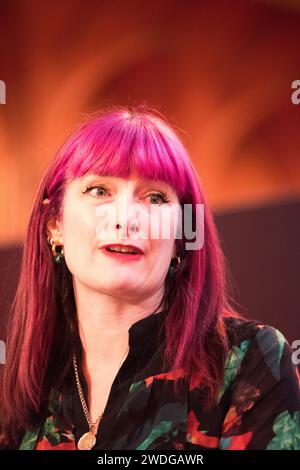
87 441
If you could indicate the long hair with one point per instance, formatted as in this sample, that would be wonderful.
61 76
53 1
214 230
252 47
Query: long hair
42 327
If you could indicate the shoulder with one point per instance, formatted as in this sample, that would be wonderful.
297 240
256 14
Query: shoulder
260 355
259 344
262 381
240 329
249 334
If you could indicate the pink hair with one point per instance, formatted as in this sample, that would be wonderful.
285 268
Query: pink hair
43 327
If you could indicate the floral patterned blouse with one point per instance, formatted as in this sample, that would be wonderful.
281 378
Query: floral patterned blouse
258 405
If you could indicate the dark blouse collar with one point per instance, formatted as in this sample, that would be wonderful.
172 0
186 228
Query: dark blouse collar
140 331
148 330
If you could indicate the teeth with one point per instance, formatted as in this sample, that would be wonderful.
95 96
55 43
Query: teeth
121 249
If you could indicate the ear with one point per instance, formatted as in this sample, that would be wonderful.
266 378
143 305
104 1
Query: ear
54 230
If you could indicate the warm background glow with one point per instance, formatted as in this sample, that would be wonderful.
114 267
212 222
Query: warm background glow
222 71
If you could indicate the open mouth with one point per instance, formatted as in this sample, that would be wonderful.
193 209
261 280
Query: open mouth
126 256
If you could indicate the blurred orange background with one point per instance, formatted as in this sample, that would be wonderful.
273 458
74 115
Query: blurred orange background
219 70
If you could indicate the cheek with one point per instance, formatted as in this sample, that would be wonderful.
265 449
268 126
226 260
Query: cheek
160 255
78 232
163 223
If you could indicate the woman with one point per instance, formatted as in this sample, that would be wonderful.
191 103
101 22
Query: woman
139 350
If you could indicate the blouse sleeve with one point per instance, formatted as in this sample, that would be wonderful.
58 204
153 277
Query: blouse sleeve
264 409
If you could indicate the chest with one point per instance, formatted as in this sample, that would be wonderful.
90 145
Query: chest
99 389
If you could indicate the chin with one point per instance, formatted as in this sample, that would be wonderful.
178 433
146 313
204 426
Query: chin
119 282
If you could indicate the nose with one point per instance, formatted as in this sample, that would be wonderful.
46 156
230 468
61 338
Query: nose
127 218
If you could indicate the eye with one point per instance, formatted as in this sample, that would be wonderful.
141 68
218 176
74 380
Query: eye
163 197
98 189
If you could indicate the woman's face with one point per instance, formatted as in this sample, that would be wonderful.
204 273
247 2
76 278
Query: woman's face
93 206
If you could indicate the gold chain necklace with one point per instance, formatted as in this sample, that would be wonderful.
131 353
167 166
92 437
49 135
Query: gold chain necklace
87 440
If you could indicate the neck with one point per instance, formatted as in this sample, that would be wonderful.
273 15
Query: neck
104 322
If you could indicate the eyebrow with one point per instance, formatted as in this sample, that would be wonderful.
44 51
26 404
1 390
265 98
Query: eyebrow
115 178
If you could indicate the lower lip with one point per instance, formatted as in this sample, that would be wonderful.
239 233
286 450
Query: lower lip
125 257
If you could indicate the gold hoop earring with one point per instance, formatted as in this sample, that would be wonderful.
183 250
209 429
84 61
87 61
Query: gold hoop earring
57 251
